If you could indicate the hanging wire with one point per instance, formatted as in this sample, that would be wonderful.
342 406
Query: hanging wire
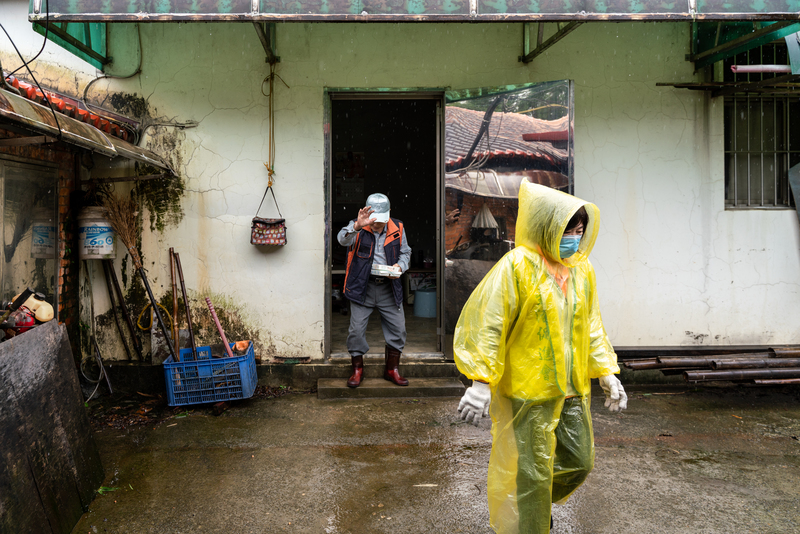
100 376
138 70
270 164
46 33
478 163
44 95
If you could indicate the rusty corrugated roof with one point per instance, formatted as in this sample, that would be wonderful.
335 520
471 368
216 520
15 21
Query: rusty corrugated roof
35 117
69 107
416 11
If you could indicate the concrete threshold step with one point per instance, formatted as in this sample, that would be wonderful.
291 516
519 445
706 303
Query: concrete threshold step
336 388
379 356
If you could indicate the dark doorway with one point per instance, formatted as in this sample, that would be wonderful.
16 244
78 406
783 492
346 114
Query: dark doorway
387 146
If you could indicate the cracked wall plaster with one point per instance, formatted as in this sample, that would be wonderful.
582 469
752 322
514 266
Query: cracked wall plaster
669 258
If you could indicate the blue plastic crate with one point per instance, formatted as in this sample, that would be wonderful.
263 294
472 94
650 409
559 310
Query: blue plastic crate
209 379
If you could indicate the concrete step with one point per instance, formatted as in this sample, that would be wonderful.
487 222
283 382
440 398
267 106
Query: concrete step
337 357
336 388
305 376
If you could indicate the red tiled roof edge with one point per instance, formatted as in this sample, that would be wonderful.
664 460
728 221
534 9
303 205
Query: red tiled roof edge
31 92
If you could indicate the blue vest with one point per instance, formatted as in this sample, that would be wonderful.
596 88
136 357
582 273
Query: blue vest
359 261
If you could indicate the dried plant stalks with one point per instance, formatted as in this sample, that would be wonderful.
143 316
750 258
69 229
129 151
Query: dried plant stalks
122 214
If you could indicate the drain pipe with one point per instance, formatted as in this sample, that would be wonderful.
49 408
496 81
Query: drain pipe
746 69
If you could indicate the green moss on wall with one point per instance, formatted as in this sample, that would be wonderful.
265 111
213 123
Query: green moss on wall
161 197
125 262
128 104
233 320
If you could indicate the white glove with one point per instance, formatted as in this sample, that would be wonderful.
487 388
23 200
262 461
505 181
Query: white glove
475 403
616 399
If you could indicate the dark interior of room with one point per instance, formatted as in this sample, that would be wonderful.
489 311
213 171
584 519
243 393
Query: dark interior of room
389 147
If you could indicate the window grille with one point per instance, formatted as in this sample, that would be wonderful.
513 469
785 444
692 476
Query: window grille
762 134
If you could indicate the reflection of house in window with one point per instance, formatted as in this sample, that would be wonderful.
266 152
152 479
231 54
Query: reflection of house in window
494 139
484 226
501 228
485 177
762 134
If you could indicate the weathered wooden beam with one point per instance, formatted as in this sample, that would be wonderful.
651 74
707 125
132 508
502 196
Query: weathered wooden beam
781 88
752 86
108 180
266 34
26 141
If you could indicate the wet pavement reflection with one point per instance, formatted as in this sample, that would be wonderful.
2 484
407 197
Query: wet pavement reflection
713 460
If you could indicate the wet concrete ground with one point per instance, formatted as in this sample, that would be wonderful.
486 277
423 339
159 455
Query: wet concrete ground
709 460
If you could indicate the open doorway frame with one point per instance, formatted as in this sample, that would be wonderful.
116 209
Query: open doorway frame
436 95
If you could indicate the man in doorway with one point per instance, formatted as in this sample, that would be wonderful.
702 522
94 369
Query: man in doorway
531 338
378 254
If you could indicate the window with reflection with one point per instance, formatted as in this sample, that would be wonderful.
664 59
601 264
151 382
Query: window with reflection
30 230
495 138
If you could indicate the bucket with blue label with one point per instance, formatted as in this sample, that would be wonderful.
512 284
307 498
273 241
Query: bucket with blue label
43 234
95 235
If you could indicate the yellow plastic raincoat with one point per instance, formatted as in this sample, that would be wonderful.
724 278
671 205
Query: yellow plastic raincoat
532 330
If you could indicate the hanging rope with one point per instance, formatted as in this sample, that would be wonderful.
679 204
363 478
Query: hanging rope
270 164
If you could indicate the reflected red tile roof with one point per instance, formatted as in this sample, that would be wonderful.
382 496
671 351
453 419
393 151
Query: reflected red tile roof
506 131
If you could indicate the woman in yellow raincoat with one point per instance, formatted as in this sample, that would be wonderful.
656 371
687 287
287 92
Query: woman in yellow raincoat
531 338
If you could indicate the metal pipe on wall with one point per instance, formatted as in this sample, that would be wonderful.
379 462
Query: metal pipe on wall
739 69
742 374
639 366
755 364
702 363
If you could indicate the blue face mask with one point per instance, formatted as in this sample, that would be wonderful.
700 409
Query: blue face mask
569 245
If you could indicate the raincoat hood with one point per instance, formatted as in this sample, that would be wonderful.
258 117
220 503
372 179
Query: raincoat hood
543 216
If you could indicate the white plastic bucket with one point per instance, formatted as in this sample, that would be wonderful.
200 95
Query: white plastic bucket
96 237
43 234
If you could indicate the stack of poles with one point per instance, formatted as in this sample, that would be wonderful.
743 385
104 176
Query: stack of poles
122 214
115 292
176 258
175 330
776 366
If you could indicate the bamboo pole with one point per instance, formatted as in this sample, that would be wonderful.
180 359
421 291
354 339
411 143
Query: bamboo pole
175 330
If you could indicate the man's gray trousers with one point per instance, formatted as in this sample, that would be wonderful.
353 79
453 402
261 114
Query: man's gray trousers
393 321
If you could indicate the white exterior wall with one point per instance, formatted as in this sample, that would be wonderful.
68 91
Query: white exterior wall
673 267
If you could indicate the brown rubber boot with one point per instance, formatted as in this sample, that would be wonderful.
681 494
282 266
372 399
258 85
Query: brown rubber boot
358 372
391 373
